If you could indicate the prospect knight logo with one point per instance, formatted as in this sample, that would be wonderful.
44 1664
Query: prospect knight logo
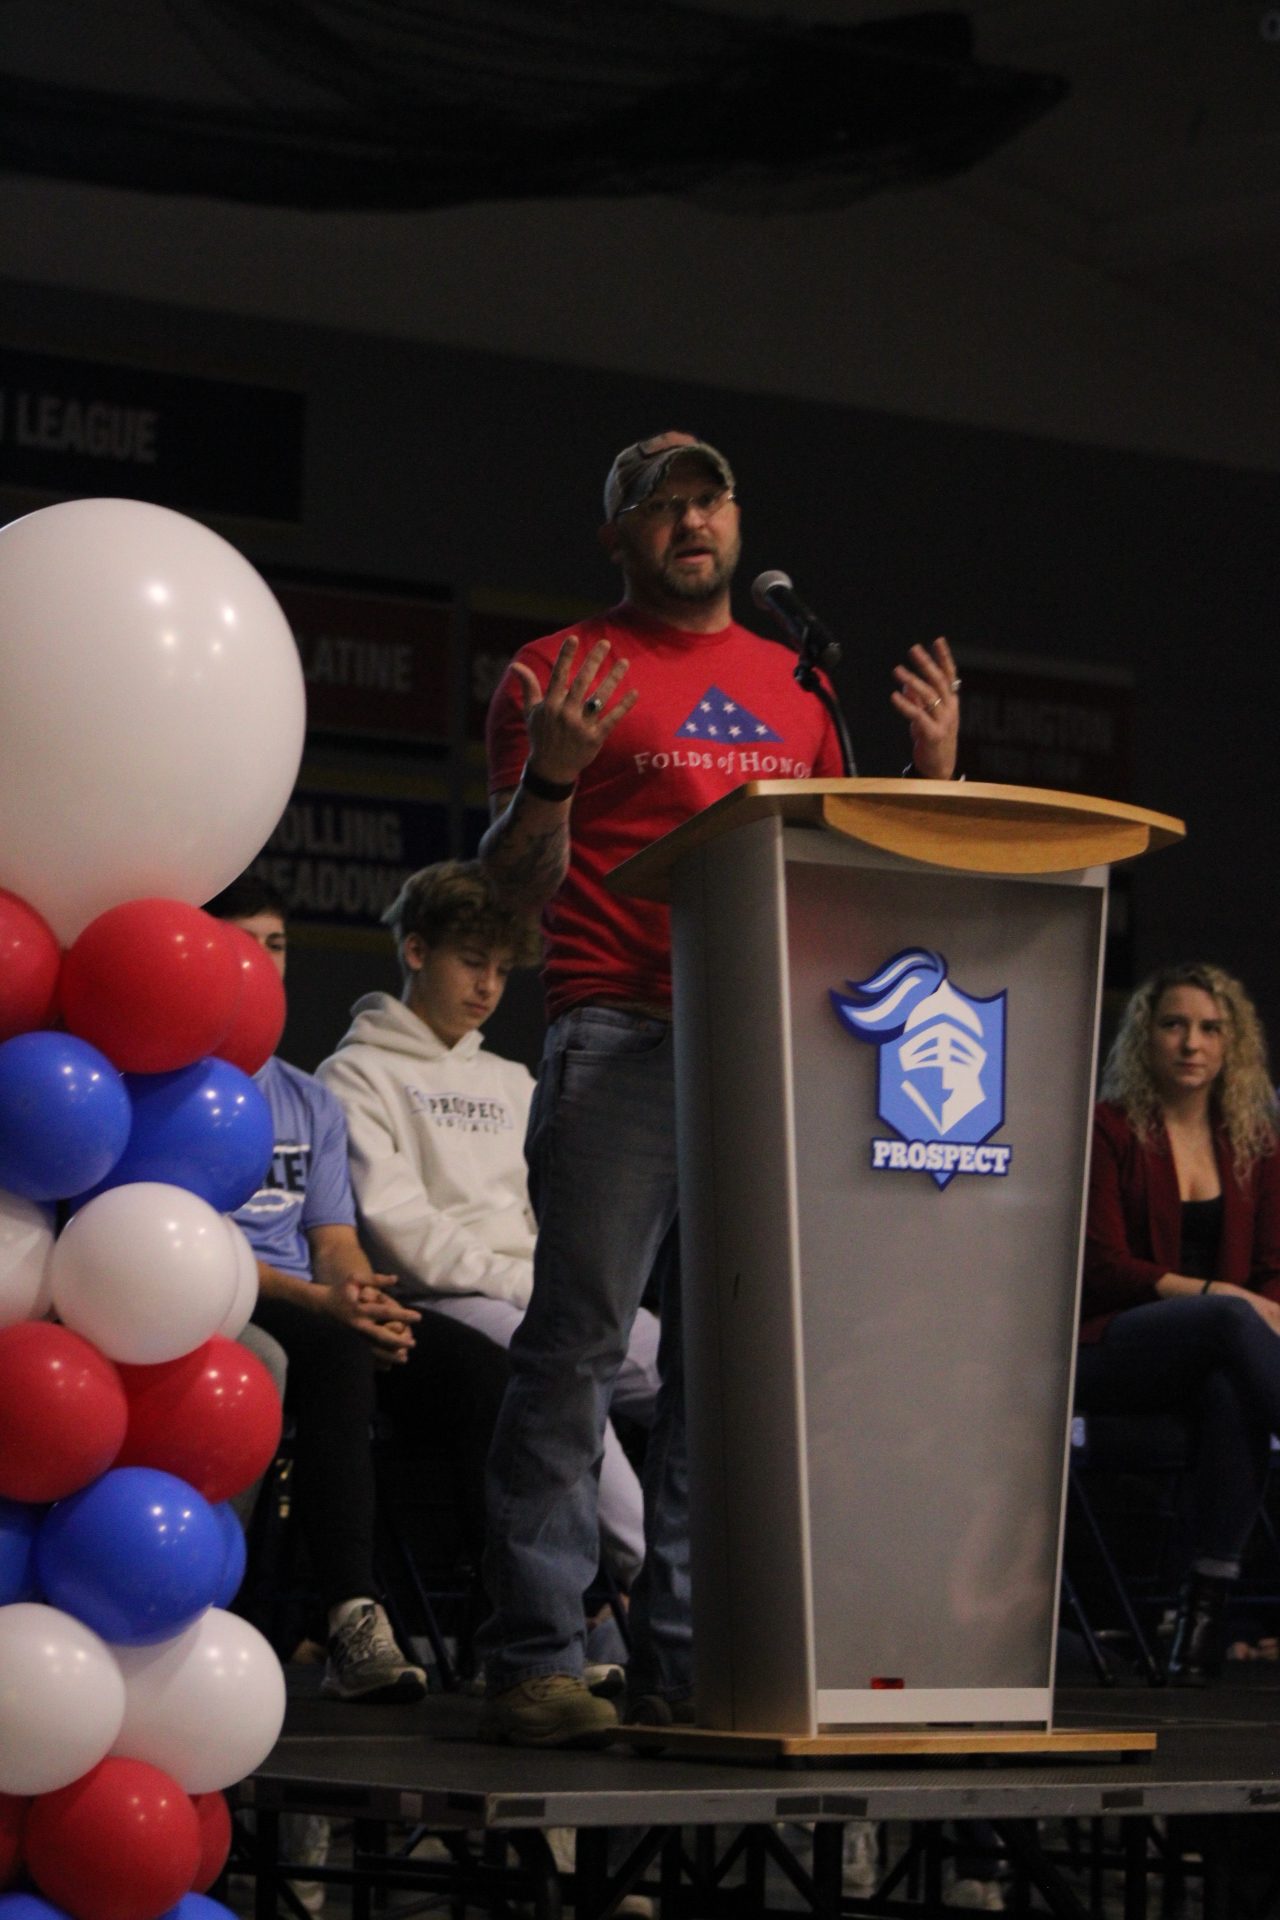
941 1068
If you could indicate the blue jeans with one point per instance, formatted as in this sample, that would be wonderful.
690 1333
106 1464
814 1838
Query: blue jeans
1212 1359
602 1175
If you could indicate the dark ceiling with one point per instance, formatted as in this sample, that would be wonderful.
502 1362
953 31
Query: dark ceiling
374 104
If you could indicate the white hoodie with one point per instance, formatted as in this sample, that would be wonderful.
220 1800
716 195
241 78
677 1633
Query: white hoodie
437 1153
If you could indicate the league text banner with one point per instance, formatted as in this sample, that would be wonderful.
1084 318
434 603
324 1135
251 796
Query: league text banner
208 446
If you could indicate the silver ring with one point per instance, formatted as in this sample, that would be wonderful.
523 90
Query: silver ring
592 706
956 684
930 705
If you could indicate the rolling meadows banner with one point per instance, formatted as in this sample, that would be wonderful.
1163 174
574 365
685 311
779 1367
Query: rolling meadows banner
339 857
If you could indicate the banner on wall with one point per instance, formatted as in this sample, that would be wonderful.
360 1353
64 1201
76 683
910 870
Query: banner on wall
71 426
1036 723
377 658
340 856
498 625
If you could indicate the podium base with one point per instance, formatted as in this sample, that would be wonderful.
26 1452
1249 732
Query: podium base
836 1744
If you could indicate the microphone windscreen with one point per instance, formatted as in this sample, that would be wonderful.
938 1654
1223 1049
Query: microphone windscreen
763 584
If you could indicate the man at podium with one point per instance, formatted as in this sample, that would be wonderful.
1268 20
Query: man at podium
600 740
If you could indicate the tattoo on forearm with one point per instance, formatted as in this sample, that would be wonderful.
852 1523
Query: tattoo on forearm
526 863
536 867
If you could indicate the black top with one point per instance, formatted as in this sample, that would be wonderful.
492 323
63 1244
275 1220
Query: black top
1201 1233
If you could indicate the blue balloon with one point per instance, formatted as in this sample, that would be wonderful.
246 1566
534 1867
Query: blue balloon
205 1127
29 1906
235 1554
64 1115
192 1906
18 1525
137 1556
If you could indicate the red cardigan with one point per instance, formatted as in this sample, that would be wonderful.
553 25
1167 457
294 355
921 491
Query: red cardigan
1133 1233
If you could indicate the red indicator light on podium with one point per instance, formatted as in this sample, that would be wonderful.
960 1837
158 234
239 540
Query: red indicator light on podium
887 1683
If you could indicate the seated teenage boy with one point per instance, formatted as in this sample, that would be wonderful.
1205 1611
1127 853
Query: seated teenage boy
436 1128
337 1322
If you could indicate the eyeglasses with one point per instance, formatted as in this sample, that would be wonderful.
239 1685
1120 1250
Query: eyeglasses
673 507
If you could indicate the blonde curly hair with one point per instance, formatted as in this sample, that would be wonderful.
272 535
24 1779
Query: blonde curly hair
1242 1097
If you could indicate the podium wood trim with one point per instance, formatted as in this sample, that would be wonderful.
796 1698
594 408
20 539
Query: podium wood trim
970 826
766 1749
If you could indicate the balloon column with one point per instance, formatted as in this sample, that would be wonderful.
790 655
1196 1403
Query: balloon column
151 724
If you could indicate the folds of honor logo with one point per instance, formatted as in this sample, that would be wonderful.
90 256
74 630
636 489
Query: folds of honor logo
941 1067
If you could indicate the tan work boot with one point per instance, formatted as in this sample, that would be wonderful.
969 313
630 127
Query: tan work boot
547 1710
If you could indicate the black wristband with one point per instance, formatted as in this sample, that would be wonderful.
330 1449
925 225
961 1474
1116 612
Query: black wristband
546 789
1205 1288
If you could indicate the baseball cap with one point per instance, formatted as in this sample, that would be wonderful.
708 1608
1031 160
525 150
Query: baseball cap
638 468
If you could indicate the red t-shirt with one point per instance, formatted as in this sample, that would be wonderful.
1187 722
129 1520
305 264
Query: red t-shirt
715 710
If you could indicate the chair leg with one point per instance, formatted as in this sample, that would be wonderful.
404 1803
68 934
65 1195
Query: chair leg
1084 1506
1093 1646
265 1592
614 1594
444 1663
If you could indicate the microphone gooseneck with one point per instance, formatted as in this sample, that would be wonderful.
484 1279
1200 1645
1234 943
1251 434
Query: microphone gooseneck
814 643
774 594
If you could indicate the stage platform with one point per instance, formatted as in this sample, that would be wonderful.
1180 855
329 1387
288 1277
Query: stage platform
1218 1751
1217 1758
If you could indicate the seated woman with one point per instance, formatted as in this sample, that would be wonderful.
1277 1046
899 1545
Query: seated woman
1182 1263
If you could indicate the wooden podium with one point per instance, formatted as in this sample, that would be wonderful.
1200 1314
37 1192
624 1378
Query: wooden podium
880 1312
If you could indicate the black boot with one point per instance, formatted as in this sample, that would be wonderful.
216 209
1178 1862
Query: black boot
1199 1647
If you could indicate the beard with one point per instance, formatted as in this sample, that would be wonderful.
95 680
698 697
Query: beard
659 580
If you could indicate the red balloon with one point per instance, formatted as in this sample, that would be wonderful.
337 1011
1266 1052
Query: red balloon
29 961
13 1814
254 1033
62 1411
211 1416
152 983
214 1816
120 1843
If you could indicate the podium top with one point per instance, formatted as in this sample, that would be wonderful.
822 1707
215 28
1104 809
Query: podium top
969 826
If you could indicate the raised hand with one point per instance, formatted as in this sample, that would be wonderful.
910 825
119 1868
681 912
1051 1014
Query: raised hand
569 723
926 696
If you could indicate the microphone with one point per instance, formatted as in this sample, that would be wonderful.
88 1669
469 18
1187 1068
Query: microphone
773 593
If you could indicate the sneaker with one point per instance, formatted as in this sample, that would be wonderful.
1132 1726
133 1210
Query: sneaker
982 1896
365 1661
861 1859
547 1710
655 1710
304 1841
563 1842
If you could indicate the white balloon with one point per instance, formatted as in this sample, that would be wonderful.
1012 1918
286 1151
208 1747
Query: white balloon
152 709
61 1699
26 1242
246 1296
206 1706
145 1271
